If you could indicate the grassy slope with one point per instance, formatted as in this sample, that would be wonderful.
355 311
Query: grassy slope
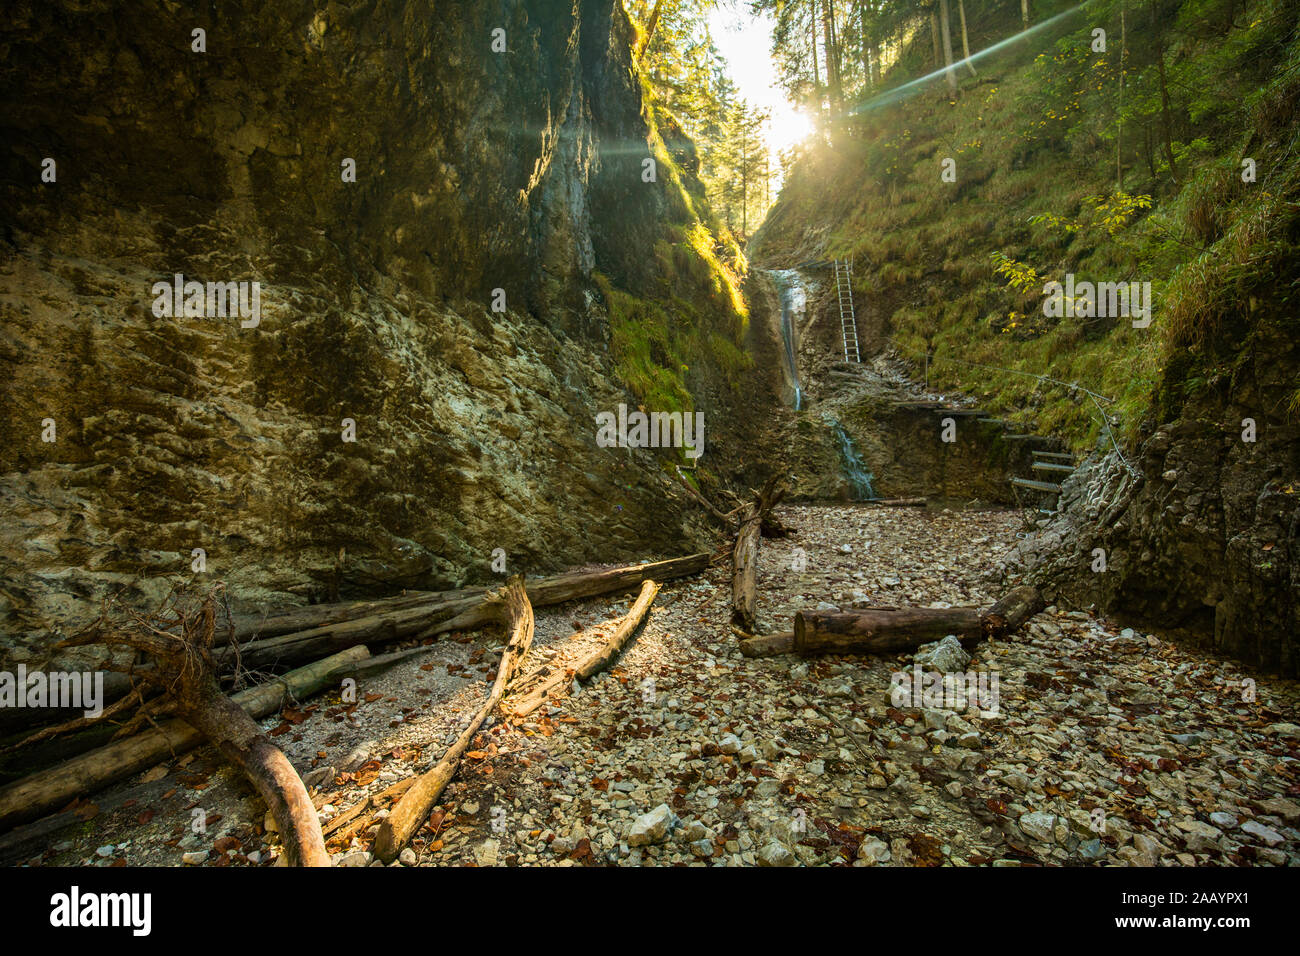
1033 136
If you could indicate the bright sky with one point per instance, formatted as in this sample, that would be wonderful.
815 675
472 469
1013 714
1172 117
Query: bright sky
745 42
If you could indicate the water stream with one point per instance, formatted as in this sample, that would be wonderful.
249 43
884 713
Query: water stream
855 470
794 302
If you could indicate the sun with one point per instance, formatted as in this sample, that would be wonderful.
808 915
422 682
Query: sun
789 126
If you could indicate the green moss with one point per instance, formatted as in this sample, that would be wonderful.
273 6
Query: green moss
693 319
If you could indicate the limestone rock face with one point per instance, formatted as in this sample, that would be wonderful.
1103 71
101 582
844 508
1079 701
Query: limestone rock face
476 171
1201 535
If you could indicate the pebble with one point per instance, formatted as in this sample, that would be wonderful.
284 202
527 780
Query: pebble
946 656
651 828
1040 826
874 851
1267 834
776 854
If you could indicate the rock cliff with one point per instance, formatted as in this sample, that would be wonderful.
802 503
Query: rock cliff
508 177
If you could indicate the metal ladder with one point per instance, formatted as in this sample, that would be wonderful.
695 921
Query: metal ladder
848 320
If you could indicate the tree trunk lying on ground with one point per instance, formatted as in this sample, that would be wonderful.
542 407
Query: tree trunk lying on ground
594 662
768 645
50 790
881 630
413 808
1008 614
244 744
273 624
889 630
457 614
744 589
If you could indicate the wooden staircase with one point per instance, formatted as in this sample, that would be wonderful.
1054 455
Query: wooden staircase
1048 464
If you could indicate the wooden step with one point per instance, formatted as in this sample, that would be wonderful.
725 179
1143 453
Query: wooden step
1026 438
941 409
1036 485
1053 466
1055 455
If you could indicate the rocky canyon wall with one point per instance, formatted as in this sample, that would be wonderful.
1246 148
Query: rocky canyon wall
475 171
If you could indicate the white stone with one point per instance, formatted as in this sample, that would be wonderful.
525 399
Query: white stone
652 827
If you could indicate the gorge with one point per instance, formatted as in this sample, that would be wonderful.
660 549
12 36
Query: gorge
332 324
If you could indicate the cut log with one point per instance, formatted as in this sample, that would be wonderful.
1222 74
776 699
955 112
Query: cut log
413 808
744 556
382 662
41 793
896 502
881 631
1007 615
890 630
594 662
768 645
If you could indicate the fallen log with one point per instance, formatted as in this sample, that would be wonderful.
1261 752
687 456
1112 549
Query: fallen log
583 584
34 796
890 630
881 631
245 627
76 724
243 743
744 559
593 662
16 720
21 843
768 645
772 526
388 794
897 502
1008 614
388 626
444 616
601 658
413 808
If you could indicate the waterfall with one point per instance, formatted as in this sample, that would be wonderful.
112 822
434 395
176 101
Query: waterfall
855 470
793 303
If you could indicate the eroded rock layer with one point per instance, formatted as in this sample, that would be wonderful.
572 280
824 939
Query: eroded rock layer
475 171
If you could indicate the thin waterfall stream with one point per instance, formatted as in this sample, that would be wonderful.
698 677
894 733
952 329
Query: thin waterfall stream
794 302
855 470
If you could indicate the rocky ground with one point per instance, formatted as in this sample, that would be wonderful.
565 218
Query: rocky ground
1103 746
